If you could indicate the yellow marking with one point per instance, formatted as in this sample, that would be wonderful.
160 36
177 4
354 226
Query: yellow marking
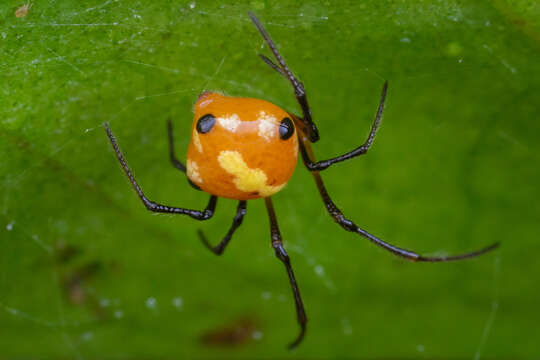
246 179
230 122
193 172
197 141
268 125
295 145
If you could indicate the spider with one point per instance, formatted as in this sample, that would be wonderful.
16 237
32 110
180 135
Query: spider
244 148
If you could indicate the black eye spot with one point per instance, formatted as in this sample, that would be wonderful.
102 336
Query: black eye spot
286 129
206 123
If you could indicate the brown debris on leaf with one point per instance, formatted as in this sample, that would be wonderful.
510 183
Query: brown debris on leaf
236 333
23 10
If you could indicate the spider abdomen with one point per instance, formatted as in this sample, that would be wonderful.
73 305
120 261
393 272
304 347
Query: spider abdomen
241 148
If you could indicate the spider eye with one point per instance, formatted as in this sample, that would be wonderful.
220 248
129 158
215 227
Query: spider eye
206 123
286 129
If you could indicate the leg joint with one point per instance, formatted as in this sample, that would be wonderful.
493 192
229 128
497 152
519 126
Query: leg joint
150 205
207 214
318 166
280 252
346 223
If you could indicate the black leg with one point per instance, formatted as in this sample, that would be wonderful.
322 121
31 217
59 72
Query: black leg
324 164
272 65
281 254
150 205
237 221
348 225
174 160
283 69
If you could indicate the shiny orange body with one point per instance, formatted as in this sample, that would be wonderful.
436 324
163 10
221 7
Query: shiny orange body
242 157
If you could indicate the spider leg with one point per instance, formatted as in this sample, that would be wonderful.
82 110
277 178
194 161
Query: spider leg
281 254
272 65
151 205
362 149
174 160
348 225
299 91
237 221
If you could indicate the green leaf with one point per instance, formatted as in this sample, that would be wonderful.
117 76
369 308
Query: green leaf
87 272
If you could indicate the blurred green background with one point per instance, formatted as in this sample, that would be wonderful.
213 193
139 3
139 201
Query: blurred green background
86 272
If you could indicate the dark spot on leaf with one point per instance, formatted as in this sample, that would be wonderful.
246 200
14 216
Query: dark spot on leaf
236 333
65 252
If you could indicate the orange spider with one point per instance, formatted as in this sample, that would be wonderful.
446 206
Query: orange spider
244 148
